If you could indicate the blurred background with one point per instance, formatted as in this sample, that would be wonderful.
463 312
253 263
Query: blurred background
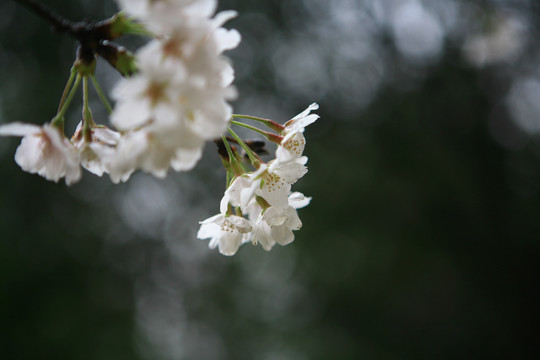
422 239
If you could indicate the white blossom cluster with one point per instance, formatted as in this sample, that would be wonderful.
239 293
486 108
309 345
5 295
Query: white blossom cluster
163 114
177 100
259 207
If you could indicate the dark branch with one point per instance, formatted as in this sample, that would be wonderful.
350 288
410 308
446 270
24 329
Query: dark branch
58 23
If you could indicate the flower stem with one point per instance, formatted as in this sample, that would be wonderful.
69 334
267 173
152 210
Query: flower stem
58 23
72 74
101 94
264 133
235 164
271 124
252 156
272 137
88 122
229 151
58 120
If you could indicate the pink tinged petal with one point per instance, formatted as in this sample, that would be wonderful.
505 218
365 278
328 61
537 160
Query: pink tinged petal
49 154
105 135
123 161
92 157
29 153
68 153
19 129
73 174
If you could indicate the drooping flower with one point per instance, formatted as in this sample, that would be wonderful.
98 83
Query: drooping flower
272 225
226 232
44 150
95 150
271 181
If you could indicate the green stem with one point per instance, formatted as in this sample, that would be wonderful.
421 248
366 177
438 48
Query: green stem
58 120
101 95
88 122
269 136
252 156
259 119
235 164
262 132
72 74
229 150
270 123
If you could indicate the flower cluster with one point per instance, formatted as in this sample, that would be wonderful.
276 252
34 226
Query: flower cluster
163 114
172 100
177 100
258 206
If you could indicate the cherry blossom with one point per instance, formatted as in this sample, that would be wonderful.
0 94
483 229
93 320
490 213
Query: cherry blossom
293 143
96 149
226 232
44 150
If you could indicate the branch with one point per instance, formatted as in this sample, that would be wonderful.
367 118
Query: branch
58 23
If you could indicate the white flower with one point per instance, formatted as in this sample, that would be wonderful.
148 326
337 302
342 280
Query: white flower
44 150
155 85
164 14
300 121
226 232
94 150
293 143
178 98
271 181
274 225
155 148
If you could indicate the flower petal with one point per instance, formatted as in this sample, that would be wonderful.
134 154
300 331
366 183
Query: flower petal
19 129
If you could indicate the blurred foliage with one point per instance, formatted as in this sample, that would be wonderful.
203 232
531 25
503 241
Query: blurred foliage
421 241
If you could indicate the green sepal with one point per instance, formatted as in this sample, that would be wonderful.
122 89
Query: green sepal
262 202
84 68
118 57
127 64
121 24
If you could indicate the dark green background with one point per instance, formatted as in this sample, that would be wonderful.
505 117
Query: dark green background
421 242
